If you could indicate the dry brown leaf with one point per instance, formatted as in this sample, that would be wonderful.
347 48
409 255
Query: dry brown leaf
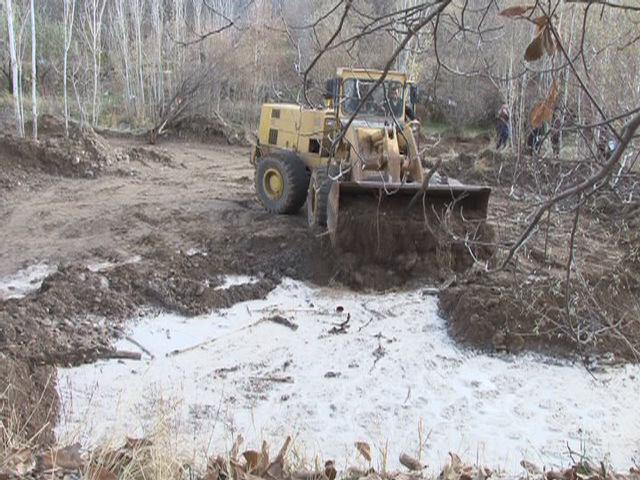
535 50
547 40
364 450
456 461
411 463
330 471
516 11
540 114
137 443
263 460
67 458
283 450
217 469
276 468
252 458
552 95
541 22
543 111
531 468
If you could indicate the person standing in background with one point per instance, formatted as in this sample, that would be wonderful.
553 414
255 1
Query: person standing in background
502 127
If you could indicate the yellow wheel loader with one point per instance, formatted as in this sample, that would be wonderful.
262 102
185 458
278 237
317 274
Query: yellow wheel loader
356 164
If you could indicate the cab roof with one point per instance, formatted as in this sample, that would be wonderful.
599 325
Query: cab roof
370 74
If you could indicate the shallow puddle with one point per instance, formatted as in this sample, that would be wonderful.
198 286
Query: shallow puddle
24 281
349 367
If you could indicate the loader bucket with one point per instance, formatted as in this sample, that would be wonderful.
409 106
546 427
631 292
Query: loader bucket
375 221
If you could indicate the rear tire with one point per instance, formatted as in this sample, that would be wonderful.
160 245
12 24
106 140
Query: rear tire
281 183
318 195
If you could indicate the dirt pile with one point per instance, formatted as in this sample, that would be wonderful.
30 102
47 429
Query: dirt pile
146 156
530 306
209 129
83 154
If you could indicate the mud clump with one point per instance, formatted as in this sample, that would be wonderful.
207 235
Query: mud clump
145 155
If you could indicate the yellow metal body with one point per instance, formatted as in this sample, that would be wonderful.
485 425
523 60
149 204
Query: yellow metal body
378 161
296 129
309 132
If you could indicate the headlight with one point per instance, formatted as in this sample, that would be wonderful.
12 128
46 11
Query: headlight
330 123
415 127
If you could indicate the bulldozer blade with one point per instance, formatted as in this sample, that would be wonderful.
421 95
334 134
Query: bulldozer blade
376 221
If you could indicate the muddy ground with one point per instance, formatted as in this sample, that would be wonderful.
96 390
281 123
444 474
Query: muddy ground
129 227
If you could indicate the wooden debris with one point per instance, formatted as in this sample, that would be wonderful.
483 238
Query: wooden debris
285 322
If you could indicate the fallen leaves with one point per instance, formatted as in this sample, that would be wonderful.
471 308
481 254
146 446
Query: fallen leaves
136 460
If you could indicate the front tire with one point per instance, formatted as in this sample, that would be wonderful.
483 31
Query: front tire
281 183
318 195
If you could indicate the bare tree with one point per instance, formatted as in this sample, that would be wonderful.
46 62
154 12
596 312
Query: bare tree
93 12
34 76
119 24
137 13
14 70
69 7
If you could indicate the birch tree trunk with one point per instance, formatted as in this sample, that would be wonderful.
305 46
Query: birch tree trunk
93 13
137 10
14 70
121 35
34 97
69 14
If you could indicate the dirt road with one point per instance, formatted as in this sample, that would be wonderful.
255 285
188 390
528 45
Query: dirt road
182 202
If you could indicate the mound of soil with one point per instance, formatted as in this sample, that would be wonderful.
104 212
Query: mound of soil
514 312
83 154
209 129
145 155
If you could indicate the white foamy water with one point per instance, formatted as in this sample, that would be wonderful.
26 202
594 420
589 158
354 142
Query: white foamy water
235 280
234 372
107 265
24 281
